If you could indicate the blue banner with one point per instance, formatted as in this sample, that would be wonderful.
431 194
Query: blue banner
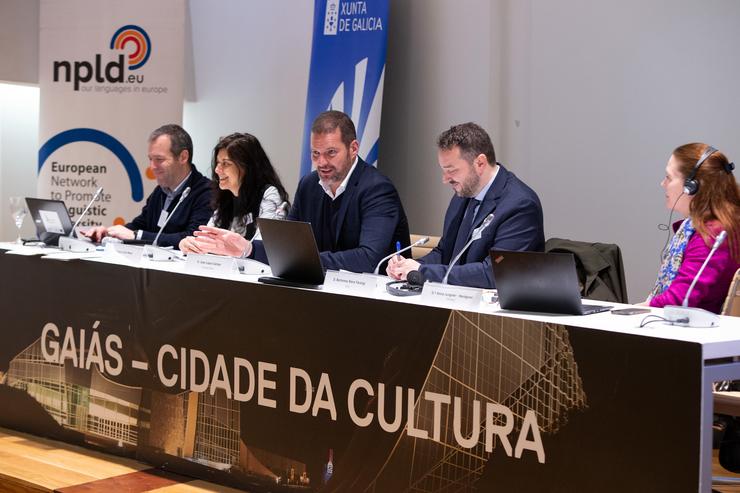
347 69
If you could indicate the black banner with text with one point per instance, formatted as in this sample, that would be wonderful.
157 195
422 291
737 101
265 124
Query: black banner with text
276 389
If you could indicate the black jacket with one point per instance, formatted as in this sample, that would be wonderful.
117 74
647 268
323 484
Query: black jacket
599 265
194 211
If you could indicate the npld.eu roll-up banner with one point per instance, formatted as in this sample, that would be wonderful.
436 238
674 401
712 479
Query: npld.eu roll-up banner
110 73
347 69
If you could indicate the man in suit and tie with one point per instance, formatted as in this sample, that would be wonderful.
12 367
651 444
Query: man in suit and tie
355 211
482 187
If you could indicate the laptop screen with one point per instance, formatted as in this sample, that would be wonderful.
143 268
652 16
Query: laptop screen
51 219
291 251
537 282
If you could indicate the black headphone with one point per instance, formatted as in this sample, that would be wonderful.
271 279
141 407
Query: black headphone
691 184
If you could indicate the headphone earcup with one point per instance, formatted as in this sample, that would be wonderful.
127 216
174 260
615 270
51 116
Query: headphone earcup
690 187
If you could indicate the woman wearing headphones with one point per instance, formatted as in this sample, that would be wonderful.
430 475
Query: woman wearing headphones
700 186
245 187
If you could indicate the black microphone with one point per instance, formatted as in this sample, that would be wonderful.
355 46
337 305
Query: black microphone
418 242
477 232
185 193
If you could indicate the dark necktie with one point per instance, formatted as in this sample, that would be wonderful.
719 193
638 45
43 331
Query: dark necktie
463 233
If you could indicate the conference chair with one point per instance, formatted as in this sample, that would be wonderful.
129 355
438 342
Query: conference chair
599 265
727 404
732 302
420 251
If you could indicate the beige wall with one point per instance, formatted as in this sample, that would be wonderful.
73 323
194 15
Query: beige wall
584 101
19 40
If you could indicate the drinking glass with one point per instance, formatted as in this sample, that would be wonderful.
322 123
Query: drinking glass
18 211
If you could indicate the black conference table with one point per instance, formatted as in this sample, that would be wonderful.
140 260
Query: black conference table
275 389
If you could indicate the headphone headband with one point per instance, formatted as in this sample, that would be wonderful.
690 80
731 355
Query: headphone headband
691 185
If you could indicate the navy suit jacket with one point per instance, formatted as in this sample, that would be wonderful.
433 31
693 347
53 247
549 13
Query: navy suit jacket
194 211
517 225
370 220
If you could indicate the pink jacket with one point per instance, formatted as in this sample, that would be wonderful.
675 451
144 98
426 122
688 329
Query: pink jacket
710 290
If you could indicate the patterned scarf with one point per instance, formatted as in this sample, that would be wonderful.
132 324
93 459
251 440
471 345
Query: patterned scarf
672 257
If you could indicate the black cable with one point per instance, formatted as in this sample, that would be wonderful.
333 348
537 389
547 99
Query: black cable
656 318
667 227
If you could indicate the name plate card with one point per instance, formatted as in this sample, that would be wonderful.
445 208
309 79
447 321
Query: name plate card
130 253
448 296
350 283
211 265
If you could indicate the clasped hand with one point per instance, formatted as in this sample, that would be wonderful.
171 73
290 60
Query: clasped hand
399 267
208 239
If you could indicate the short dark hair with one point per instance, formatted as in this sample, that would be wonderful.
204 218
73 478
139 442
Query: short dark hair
179 139
471 139
328 121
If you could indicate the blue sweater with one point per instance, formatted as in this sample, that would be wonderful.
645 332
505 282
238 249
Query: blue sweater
194 211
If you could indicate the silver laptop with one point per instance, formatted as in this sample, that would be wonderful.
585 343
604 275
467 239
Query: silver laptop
539 282
51 219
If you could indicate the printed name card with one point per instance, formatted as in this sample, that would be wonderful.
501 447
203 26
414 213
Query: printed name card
118 251
448 296
350 283
211 265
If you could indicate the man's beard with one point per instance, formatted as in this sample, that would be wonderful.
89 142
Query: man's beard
469 186
336 178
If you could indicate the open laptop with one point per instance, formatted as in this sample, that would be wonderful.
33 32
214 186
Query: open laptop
292 253
51 219
539 282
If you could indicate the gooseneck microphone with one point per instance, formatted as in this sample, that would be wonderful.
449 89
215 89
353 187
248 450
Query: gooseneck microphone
72 244
418 242
73 233
717 242
477 232
690 316
184 195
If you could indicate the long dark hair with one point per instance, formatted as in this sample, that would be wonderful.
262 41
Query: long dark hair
256 173
718 197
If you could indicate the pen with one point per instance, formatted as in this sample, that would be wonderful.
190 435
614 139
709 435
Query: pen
398 248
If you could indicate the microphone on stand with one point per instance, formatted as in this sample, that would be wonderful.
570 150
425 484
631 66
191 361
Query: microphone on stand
695 317
418 242
154 252
184 195
70 243
477 232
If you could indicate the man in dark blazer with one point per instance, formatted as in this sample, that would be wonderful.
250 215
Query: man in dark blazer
170 159
482 187
355 211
